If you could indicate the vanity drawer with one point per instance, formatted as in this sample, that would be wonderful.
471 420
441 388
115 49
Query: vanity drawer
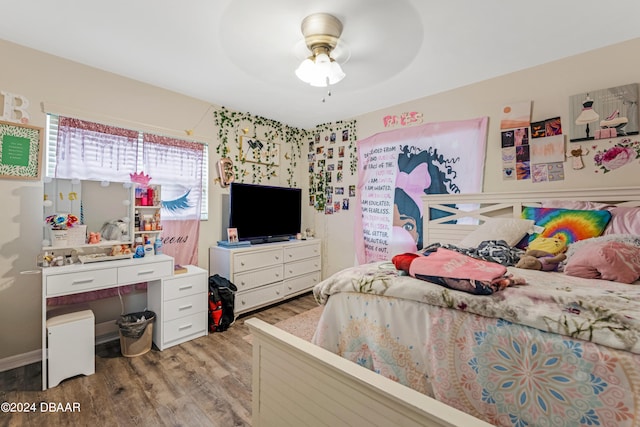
184 306
253 279
71 283
256 259
144 272
178 287
184 326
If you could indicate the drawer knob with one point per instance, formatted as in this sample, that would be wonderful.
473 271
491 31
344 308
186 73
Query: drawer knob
277 292
290 255
185 326
183 288
242 264
186 307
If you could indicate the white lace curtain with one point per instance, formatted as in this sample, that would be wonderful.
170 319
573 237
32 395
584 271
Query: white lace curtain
87 150
176 165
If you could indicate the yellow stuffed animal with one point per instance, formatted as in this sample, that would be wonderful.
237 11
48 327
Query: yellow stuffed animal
552 245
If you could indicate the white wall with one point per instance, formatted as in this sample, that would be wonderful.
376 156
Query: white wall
101 96
549 87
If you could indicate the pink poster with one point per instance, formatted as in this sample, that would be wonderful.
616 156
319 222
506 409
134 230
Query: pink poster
180 240
397 167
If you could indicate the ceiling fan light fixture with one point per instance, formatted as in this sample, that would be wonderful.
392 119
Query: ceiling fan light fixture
321 32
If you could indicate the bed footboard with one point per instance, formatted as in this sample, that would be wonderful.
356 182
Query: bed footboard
298 383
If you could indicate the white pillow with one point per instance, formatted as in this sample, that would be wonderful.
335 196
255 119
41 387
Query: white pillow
511 230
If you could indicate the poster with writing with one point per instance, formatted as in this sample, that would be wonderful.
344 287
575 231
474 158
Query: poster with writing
396 168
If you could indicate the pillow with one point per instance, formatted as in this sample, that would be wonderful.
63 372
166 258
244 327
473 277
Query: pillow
511 230
624 220
572 204
607 260
567 224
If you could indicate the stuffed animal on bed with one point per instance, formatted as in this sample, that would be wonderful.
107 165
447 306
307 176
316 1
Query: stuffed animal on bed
540 260
552 245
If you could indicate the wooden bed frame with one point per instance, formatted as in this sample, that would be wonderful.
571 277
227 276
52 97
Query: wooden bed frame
298 383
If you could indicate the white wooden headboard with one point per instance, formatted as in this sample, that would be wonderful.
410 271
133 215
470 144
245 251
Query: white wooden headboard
487 205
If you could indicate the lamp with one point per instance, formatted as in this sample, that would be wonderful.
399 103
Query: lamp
588 114
321 33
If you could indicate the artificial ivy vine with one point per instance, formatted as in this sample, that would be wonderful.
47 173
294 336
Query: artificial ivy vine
232 125
318 179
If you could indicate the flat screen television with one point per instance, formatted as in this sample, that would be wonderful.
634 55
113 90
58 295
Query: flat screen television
263 213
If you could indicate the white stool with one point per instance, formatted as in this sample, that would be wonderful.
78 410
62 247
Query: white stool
71 345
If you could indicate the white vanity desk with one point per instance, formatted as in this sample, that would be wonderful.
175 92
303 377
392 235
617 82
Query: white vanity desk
78 278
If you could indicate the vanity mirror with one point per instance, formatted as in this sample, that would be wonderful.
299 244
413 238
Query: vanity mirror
72 209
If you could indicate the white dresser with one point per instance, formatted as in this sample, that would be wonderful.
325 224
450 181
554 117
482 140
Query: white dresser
180 304
268 273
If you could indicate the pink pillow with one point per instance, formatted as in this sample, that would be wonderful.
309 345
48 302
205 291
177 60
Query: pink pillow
624 220
608 260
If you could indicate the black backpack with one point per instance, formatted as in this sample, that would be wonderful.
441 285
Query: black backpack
221 301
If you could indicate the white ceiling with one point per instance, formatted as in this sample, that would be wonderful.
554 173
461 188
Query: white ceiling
242 53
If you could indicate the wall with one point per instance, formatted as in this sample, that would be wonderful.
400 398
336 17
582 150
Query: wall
549 87
68 87
101 96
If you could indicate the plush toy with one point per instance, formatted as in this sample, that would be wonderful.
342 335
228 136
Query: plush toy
540 260
552 245
94 238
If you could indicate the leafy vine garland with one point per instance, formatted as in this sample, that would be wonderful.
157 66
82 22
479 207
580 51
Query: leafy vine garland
232 124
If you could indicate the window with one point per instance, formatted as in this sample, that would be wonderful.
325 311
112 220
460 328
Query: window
127 155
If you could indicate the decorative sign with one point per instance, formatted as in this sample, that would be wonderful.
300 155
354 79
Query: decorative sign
15 108
256 151
20 151
405 119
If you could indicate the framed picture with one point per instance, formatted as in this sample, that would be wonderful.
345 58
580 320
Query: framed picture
232 235
20 151
256 151
604 113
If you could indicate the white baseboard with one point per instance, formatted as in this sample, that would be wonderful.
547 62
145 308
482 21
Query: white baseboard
105 332
19 360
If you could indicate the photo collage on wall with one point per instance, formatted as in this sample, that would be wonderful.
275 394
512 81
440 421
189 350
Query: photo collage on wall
328 164
531 150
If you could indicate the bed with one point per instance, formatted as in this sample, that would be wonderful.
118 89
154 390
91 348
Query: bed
560 350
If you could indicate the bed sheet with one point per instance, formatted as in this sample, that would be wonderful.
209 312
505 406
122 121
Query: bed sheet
496 370
599 311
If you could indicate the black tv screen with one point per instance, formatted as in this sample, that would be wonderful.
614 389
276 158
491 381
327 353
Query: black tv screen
263 213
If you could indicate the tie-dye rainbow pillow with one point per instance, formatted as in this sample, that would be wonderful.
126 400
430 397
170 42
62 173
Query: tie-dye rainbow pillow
567 224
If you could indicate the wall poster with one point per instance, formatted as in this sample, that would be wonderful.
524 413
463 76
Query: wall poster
21 149
397 167
604 113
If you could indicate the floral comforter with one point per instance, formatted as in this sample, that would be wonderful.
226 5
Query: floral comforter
600 311
566 353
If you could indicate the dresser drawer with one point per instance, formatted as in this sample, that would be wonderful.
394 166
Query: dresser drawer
246 301
301 283
71 283
293 269
184 306
257 259
144 272
178 287
184 326
253 279
295 253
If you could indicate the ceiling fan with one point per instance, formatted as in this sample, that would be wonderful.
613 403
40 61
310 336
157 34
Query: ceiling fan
321 33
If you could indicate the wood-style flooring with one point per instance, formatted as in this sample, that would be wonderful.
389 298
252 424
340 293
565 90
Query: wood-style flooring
204 382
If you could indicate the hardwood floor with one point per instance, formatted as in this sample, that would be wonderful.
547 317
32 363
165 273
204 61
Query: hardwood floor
204 382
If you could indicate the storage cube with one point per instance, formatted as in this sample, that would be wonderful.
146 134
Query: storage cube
71 345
